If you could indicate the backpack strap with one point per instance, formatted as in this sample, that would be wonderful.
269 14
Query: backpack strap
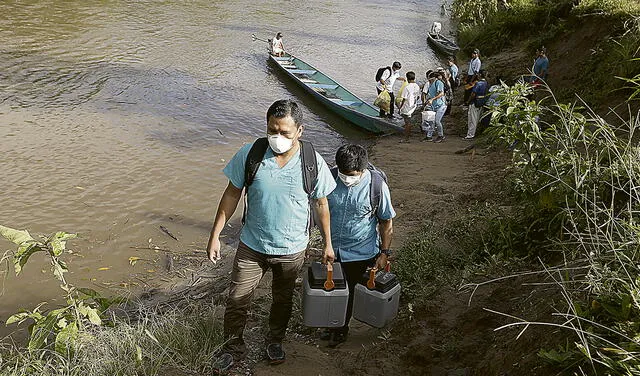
254 158
334 172
309 166
375 191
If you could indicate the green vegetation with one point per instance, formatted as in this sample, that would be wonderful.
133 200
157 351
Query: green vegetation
181 340
87 338
529 24
582 174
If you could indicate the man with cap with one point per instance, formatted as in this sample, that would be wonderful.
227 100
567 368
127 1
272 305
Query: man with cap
277 46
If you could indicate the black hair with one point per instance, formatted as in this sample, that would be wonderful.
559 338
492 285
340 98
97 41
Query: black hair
397 65
482 73
452 58
283 108
411 76
351 157
428 74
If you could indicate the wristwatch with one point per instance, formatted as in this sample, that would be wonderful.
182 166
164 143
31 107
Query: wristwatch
386 252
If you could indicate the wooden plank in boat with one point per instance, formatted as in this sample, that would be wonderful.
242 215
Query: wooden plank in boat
345 103
303 71
323 86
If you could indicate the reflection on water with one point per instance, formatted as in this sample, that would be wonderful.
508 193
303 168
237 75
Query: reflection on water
118 116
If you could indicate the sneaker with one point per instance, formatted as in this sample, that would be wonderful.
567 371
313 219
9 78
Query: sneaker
275 353
337 338
222 364
438 139
427 138
467 138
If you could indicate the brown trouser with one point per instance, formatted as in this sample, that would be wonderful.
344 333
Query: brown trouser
248 268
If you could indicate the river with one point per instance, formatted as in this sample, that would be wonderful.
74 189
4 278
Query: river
118 116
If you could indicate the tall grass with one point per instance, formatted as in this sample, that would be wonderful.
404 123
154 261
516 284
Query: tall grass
181 341
589 170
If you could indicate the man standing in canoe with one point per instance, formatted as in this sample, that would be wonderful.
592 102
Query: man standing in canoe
277 46
275 233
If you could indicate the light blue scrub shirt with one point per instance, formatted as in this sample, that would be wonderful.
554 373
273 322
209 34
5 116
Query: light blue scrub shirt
277 205
354 233
434 89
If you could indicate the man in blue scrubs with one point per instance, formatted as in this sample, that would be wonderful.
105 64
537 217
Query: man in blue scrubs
275 233
360 234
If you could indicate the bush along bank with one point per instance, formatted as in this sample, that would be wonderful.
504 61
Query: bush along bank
605 33
579 177
573 182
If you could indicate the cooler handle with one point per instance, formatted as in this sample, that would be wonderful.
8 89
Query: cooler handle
371 283
329 284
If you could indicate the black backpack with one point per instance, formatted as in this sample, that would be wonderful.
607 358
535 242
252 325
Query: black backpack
308 163
380 72
375 187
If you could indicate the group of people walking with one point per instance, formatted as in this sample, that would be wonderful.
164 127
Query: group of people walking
284 180
435 97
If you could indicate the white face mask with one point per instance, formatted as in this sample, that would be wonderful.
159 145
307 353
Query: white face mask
279 143
349 180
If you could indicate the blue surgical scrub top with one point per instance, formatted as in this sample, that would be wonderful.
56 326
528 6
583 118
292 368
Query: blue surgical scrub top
278 210
434 89
354 233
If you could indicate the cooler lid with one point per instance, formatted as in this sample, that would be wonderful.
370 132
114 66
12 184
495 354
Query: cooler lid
318 275
385 281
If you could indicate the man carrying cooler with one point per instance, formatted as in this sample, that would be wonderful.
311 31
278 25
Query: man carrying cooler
361 228
275 232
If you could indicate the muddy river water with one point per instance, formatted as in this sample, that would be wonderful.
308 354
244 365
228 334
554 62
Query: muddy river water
117 117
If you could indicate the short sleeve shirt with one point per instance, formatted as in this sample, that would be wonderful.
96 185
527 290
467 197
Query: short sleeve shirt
541 65
474 66
454 71
410 94
436 87
354 233
278 211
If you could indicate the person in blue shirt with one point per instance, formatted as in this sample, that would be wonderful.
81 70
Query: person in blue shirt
360 234
434 97
476 104
275 233
453 69
540 66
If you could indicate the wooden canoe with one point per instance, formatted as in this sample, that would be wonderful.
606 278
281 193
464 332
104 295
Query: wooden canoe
334 96
442 44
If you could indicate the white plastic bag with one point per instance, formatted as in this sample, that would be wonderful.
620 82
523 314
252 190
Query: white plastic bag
428 116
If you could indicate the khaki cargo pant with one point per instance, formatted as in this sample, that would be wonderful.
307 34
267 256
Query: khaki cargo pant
248 268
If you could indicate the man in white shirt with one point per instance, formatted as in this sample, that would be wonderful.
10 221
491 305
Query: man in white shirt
386 81
409 102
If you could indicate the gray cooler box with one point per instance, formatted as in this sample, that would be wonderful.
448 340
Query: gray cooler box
322 308
378 306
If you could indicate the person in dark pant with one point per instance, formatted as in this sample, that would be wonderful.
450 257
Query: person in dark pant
361 231
387 80
275 233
